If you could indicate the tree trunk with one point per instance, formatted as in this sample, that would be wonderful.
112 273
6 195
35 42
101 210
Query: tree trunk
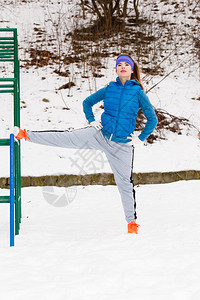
83 8
125 8
96 9
136 3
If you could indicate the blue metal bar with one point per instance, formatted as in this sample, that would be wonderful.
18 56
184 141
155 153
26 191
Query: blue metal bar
12 191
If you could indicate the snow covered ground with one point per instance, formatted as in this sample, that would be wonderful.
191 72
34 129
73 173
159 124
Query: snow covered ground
82 250
43 106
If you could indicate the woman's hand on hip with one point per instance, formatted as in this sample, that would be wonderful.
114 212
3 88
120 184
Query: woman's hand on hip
96 124
134 140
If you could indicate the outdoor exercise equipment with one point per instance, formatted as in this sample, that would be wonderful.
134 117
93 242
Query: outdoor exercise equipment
9 55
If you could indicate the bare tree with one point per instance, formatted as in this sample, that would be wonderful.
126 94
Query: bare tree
106 9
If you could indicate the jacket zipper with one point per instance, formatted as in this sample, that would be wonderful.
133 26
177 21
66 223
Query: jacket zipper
119 107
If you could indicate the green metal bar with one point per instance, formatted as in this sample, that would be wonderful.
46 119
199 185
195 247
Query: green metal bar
6 38
7 47
8 29
7 79
7 42
3 52
8 60
4 199
4 142
6 86
6 52
6 91
6 56
16 84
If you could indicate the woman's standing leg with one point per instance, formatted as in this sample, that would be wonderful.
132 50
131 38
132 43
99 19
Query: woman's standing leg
121 161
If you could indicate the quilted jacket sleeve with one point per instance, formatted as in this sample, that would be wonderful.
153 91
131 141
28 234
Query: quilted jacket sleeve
92 100
150 115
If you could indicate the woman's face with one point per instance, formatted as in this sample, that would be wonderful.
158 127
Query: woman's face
124 70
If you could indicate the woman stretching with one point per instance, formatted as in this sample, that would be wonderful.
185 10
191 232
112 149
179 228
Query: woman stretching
114 134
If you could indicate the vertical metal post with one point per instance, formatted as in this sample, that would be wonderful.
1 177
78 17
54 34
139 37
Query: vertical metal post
17 146
9 53
12 191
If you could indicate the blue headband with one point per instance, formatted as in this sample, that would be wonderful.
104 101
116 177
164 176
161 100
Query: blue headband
125 58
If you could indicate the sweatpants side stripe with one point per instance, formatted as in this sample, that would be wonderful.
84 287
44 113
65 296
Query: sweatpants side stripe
131 180
58 130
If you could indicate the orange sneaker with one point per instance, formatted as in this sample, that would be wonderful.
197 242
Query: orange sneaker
20 133
133 227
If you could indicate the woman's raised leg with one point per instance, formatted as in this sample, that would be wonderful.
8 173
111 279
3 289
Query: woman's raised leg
84 138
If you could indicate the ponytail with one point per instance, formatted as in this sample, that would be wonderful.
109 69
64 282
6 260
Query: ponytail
136 74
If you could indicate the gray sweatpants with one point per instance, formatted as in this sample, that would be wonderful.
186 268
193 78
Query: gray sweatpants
119 155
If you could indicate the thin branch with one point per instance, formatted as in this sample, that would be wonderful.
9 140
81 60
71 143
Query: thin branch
96 9
195 5
63 99
116 6
90 7
172 71
157 66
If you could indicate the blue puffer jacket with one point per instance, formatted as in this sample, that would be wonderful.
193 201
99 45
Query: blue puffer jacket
121 105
